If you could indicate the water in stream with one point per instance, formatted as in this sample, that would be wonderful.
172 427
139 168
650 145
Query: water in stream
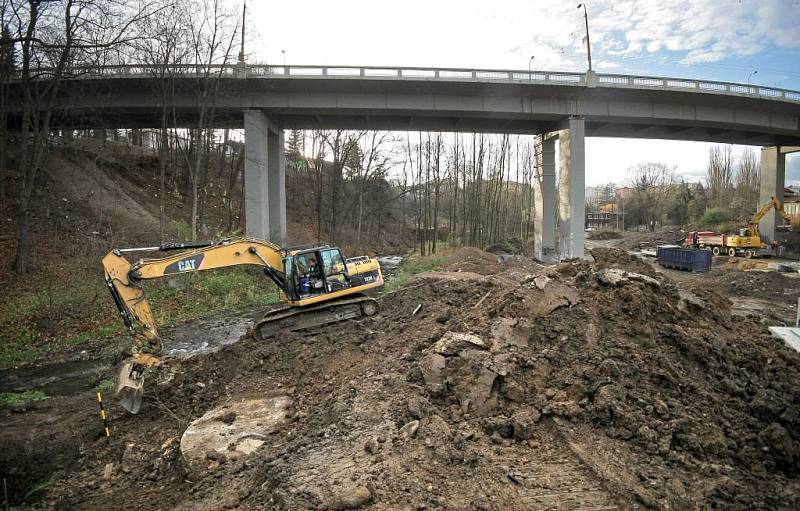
183 341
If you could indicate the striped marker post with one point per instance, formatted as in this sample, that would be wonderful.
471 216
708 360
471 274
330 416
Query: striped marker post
103 415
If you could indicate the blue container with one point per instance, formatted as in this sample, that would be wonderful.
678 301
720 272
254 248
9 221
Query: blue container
684 258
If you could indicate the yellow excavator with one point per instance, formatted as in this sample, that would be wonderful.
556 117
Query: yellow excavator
747 241
317 286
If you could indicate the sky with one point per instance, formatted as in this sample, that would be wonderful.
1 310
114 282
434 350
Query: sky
728 40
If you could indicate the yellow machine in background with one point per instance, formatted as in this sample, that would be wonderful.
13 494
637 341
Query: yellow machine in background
317 286
747 242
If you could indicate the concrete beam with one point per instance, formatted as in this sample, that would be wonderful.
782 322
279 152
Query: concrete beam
786 149
277 187
256 184
571 189
544 199
773 178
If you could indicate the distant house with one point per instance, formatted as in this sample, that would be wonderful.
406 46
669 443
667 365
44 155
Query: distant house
624 192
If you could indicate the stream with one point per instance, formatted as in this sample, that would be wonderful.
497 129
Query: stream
183 341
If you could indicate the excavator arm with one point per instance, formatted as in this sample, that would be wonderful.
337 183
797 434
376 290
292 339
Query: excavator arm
123 280
766 208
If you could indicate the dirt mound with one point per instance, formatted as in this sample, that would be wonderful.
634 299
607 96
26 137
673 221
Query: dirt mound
615 258
769 285
601 383
604 235
470 259
638 240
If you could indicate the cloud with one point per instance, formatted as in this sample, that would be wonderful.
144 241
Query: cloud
505 33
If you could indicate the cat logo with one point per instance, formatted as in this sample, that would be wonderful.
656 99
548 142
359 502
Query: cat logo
189 264
186 265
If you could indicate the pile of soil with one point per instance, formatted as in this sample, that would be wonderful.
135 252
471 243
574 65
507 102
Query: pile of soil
638 240
582 385
769 285
470 259
604 235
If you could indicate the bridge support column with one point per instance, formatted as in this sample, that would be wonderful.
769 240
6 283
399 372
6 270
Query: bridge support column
544 199
277 187
571 189
264 178
773 177
256 186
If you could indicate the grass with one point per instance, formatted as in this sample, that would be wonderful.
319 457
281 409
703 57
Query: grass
21 398
17 347
197 295
410 267
105 385
43 486
72 313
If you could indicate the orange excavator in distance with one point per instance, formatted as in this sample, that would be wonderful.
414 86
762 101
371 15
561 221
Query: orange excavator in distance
317 286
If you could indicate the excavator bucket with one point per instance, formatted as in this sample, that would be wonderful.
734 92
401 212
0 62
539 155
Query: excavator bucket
130 387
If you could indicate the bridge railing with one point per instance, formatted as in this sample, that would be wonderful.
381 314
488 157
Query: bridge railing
438 74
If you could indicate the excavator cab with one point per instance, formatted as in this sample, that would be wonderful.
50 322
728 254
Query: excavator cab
314 272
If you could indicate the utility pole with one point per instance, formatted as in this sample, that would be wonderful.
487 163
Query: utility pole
588 44
244 14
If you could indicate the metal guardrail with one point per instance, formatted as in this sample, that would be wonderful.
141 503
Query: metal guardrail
440 74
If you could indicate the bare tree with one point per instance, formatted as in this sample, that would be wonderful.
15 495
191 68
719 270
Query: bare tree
719 176
652 183
747 184
164 47
212 34
372 163
56 38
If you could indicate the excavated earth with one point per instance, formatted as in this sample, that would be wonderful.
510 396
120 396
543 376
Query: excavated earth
587 385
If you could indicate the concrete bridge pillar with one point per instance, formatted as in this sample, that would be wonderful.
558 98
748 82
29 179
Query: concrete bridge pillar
571 189
264 179
544 199
277 186
773 177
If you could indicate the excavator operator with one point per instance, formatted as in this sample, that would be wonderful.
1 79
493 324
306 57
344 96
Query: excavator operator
311 279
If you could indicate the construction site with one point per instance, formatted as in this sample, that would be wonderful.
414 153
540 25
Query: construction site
504 279
601 384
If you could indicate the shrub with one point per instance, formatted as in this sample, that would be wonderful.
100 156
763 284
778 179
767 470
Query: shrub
713 217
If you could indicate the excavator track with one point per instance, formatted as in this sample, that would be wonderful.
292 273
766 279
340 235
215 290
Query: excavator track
297 319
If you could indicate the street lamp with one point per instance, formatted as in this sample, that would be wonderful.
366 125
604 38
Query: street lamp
588 44
751 76
530 62
284 57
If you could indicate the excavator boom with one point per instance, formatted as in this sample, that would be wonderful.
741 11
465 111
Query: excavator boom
774 203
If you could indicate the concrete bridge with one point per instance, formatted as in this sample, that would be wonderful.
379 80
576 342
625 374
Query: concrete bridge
567 107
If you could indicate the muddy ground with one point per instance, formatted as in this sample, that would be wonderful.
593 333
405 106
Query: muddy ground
587 385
